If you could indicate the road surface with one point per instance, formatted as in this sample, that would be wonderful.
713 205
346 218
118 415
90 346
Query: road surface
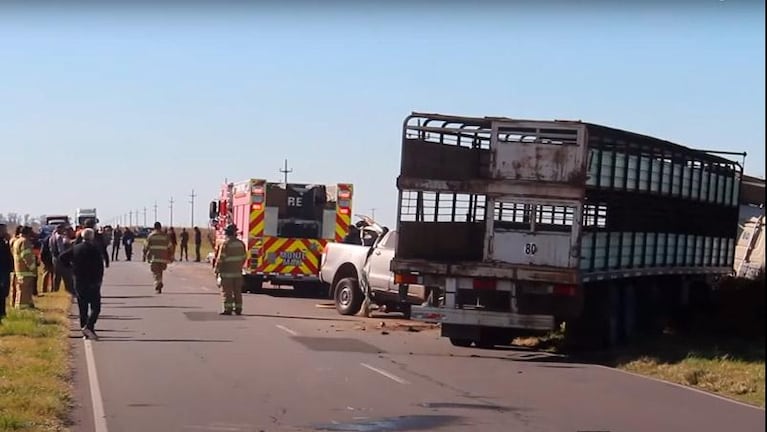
169 362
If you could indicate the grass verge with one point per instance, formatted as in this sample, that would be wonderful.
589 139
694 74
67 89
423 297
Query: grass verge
34 366
724 366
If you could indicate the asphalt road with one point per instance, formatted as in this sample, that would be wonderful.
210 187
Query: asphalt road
169 362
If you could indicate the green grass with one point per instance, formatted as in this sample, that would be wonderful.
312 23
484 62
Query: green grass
34 366
731 368
725 366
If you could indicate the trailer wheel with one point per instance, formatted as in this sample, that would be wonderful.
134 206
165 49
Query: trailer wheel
460 342
348 297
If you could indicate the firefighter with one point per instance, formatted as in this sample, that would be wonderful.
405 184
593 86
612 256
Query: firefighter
25 269
16 237
228 269
156 252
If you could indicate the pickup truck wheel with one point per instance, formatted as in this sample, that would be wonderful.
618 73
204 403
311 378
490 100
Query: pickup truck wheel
460 342
348 296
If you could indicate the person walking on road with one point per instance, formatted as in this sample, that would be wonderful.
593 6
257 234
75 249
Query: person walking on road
6 267
87 264
197 244
184 250
128 238
117 235
98 240
173 243
156 251
25 269
228 269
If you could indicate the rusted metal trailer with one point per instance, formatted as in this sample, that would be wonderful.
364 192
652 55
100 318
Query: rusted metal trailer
519 226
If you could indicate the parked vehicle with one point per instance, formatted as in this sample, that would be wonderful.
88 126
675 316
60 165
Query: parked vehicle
343 264
522 226
83 214
285 227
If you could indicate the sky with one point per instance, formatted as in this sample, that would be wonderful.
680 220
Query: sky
123 107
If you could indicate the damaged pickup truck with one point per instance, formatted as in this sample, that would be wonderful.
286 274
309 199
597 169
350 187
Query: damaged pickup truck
367 252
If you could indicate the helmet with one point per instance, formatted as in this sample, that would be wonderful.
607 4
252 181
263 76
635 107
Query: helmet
230 230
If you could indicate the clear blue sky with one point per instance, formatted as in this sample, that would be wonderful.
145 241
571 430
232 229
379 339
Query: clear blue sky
119 108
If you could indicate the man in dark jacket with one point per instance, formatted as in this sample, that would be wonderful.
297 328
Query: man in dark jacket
128 238
87 260
98 241
6 267
197 244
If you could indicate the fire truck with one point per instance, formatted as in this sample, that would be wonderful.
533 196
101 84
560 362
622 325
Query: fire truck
285 227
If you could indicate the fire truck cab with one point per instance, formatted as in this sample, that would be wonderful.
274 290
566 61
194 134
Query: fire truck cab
285 228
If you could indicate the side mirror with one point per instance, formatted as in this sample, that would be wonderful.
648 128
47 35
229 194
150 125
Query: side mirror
213 210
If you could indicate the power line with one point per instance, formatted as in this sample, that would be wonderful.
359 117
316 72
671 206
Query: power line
191 201
286 171
171 210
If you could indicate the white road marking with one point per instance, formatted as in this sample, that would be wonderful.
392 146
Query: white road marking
287 330
389 375
99 418
683 387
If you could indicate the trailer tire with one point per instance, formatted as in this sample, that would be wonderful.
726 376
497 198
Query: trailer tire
465 343
348 296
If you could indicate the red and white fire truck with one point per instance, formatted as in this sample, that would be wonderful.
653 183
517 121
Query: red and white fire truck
285 227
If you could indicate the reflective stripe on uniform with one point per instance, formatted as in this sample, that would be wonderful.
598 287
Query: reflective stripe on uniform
233 258
24 274
230 275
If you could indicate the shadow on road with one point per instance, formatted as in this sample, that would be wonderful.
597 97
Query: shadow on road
129 339
191 293
339 319
156 307
127 285
127 297
118 318
291 293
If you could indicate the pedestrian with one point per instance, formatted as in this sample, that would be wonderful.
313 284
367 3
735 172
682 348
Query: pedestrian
116 240
156 251
16 237
228 269
25 269
184 250
59 242
6 267
173 243
46 258
197 244
98 240
86 260
128 238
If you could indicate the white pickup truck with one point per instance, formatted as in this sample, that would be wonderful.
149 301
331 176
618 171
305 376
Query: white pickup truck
343 264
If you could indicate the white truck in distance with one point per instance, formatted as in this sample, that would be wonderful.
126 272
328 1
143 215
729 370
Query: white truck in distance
370 249
83 214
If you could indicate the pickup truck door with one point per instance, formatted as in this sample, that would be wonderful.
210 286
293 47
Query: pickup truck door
380 276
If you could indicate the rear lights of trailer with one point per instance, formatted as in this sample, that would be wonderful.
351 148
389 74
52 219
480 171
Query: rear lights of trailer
565 290
405 279
483 284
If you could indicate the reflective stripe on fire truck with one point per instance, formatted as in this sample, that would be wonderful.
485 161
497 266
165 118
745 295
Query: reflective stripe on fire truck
343 213
275 250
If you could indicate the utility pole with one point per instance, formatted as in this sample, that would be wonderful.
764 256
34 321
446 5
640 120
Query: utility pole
155 211
373 213
191 201
144 216
171 211
130 217
286 171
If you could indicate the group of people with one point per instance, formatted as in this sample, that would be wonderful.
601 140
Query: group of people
78 259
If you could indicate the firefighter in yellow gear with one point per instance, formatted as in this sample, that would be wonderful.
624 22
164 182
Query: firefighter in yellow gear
24 269
156 252
230 258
